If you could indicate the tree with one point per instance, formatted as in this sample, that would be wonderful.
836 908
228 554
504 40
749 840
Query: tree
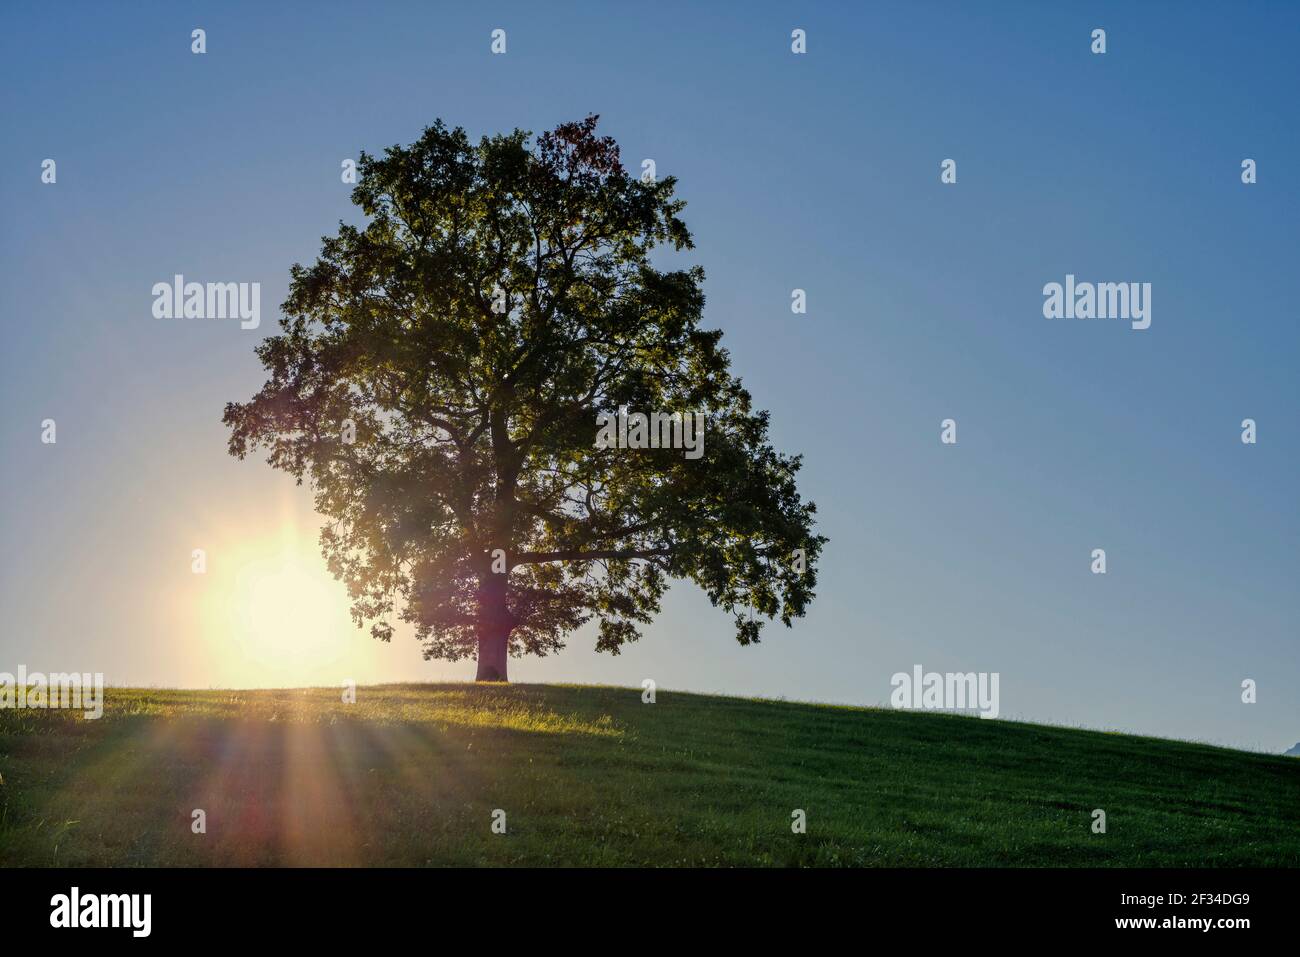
450 377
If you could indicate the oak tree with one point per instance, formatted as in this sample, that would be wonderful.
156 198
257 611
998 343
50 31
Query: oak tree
440 378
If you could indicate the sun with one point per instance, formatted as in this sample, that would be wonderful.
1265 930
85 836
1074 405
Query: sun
274 617
286 608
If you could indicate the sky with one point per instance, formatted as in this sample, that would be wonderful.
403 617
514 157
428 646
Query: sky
818 171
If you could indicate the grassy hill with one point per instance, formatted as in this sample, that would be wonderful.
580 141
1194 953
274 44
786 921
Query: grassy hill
411 774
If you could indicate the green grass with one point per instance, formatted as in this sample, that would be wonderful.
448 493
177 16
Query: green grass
411 774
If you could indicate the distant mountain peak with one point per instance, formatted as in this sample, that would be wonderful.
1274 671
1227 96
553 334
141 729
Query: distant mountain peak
1295 751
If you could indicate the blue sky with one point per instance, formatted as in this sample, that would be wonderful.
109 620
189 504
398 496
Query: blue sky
819 172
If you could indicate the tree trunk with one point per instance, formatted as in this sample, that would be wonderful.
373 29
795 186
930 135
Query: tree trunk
492 655
494 626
